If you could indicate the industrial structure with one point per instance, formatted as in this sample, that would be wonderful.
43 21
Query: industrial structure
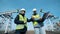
6 21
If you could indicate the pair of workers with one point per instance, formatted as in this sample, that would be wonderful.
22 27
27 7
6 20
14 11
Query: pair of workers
21 22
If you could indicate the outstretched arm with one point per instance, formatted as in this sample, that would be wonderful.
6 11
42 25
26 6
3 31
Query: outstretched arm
45 15
29 20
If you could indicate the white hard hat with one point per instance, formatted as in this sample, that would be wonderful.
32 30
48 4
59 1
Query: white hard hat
34 9
22 9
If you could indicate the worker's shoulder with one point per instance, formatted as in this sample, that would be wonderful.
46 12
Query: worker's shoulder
17 15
